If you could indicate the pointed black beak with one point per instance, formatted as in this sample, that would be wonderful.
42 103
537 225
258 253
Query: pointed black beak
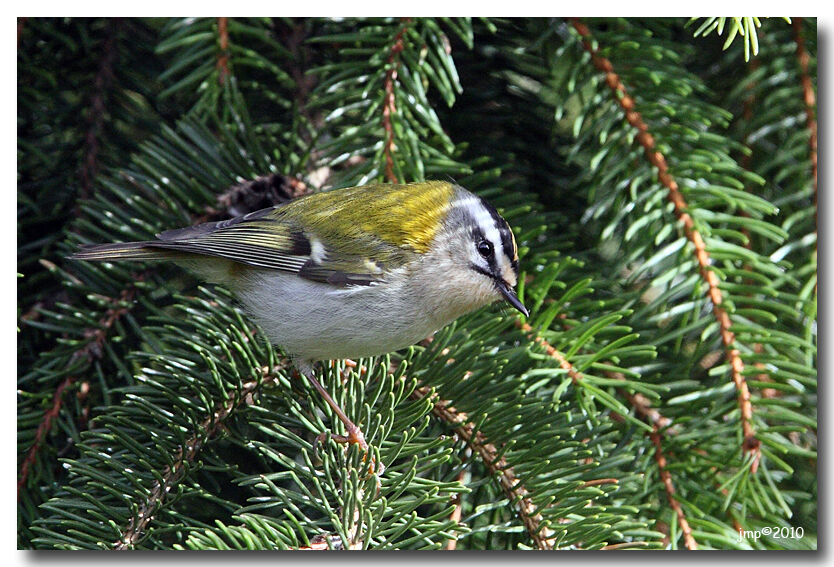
510 296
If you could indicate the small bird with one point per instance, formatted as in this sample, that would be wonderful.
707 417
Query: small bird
349 273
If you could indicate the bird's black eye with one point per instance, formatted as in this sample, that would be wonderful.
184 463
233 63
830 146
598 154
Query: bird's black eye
485 248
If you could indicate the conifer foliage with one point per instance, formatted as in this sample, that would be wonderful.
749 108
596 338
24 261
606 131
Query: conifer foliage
663 193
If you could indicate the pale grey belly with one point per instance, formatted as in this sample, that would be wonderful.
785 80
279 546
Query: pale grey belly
313 321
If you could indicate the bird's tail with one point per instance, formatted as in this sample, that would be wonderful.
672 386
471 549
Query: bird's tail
120 251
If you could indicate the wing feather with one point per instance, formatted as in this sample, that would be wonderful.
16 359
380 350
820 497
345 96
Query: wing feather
302 239
255 239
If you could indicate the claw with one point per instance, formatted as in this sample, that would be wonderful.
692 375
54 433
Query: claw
356 437
354 434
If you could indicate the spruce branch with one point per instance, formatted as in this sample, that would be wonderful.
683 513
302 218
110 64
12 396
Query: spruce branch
750 444
666 477
496 464
223 53
745 26
644 409
21 24
659 424
43 429
174 473
92 349
120 307
494 461
623 338
809 98
96 112
457 513
575 376
389 108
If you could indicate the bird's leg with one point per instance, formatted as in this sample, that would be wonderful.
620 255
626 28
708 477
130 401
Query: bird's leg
354 434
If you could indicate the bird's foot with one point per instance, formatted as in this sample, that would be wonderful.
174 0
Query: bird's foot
355 437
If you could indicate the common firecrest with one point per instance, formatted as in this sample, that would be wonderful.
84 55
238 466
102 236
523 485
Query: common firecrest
352 272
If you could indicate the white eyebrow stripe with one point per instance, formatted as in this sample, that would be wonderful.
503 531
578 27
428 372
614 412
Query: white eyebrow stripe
482 217
488 225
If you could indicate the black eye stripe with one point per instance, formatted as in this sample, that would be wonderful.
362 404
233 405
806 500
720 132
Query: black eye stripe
485 248
503 229
505 242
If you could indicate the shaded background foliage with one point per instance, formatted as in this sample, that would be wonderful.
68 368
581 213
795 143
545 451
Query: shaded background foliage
662 188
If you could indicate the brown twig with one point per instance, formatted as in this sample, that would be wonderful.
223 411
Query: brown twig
389 108
457 513
323 542
810 99
513 489
575 375
688 540
20 24
745 161
659 423
223 54
98 334
644 409
649 414
625 545
489 455
43 429
751 443
172 474
97 113
599 482
92 349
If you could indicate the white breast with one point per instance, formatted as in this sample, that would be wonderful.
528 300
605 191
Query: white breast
316 321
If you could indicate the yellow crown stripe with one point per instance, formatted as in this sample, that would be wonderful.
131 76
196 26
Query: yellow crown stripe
515 246
400 215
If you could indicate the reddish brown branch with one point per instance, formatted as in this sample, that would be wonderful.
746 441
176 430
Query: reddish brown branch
751 443
496 465
20 25
457 513
92 349
97 111
625 545
515 492
575 376
648 414
172 474
688 540
644 409
98 334
746 161
658 422
43 429
223 54
389 108
810 98
323 542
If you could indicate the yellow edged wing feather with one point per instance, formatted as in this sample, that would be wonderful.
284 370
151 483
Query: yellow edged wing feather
343 237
